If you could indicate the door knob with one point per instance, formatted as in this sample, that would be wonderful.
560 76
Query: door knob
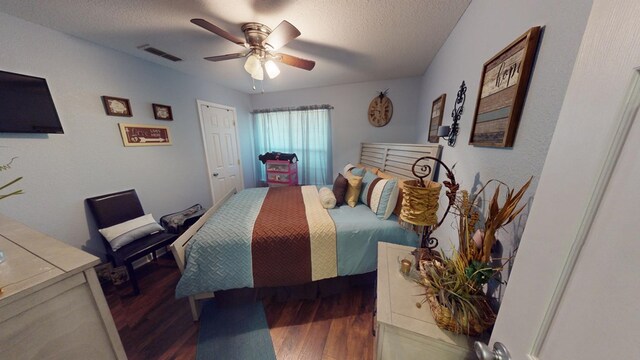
215 174
499 352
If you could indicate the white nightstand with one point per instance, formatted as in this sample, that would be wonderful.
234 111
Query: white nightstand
404 330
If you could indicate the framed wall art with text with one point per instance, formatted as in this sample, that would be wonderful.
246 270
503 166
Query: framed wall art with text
502 92
144 135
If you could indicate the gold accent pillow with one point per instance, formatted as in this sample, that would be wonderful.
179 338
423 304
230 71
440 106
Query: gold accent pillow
353 190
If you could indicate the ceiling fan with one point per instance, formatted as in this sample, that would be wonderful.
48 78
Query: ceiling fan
261 44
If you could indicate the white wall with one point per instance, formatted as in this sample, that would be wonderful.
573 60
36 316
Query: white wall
349 122
485 29
597 316
60 171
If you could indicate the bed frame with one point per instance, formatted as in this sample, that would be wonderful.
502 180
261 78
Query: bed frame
395 159
178 251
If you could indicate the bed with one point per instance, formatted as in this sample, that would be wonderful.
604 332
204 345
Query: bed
268 237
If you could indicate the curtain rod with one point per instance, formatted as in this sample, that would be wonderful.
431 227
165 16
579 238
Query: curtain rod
295 108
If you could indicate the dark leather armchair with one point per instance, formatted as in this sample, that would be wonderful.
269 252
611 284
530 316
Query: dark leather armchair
116 208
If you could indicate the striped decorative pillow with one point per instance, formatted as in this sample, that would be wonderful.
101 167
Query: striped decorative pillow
367 178
121 234
379 194
401 184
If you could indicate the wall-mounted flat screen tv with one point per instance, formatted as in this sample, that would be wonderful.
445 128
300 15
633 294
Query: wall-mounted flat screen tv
26 105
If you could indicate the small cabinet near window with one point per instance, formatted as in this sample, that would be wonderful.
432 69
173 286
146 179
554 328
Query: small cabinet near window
281 173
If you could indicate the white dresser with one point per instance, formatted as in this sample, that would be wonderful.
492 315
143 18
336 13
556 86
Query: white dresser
405 331
51 304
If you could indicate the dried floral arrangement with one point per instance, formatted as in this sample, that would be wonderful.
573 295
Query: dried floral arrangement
454 285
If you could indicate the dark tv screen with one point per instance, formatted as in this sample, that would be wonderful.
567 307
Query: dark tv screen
26 105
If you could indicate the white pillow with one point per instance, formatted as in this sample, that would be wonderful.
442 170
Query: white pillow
327 198
351 169
347 168
121 234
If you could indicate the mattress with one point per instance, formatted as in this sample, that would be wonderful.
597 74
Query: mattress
241 244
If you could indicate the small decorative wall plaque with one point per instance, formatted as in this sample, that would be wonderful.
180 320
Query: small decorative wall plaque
114 106
437 111
144 135
162 112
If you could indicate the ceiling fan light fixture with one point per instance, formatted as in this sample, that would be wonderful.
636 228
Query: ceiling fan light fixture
259 43
258 73
272 69
252 64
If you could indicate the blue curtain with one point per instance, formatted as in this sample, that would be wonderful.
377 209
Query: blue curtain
306 132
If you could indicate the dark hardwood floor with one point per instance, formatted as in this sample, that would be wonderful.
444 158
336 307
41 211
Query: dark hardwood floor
154 325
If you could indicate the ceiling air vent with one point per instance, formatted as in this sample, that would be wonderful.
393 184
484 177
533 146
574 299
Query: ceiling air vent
158 52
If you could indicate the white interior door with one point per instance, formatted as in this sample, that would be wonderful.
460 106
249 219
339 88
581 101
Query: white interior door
574 286
220 136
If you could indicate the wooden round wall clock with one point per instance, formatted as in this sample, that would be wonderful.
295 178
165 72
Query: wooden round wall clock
380 110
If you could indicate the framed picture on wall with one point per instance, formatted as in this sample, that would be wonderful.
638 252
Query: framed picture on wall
502 92
115 106
437 111
162 112
144 135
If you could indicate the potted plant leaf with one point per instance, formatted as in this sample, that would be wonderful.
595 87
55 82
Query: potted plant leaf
4 196
16 192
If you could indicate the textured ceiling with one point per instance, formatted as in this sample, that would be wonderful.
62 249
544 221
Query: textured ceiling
351 41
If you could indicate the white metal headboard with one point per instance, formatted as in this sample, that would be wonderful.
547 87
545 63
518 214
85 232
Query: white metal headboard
397 159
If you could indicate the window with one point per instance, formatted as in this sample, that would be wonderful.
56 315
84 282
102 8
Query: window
305 131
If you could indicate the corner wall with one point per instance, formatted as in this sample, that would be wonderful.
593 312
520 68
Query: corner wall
484 30
60 171
349 121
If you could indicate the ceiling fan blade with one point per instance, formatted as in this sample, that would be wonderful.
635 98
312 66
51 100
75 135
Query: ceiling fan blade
216 30
295 61
227 56
282 34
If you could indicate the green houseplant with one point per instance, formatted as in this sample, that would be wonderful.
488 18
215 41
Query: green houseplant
4 196
15 192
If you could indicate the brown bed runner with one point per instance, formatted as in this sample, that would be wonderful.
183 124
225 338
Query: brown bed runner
281 250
